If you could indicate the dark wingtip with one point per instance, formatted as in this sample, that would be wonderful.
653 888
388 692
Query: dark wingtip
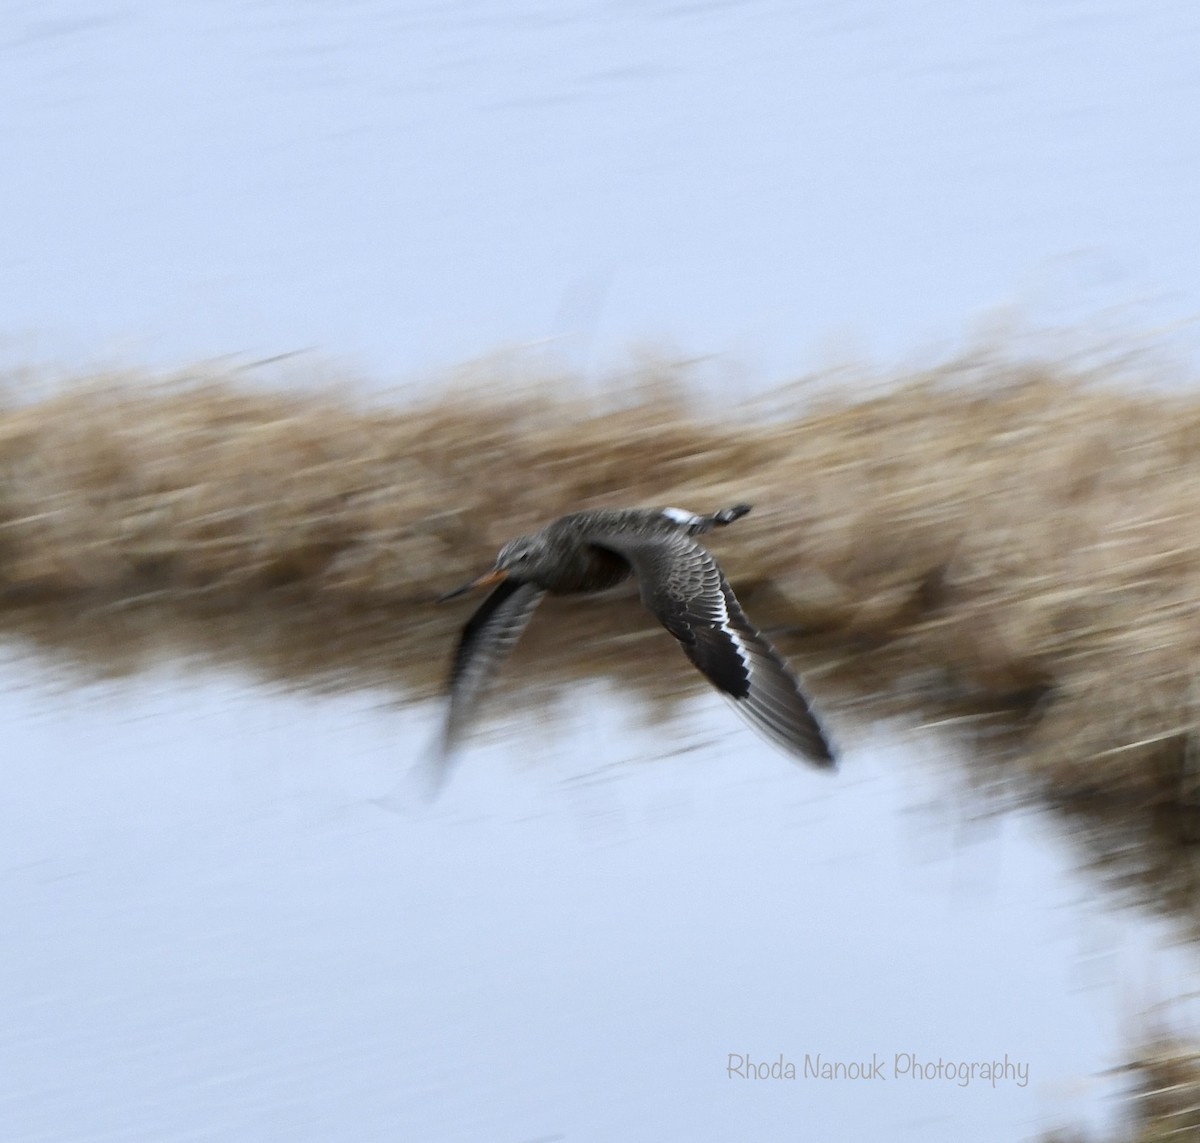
820 753
827 762
817 753
434 772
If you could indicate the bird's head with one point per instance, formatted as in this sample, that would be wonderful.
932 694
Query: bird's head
516 557
521 554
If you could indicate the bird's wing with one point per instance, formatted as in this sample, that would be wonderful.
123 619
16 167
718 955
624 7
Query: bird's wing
487 638
682 584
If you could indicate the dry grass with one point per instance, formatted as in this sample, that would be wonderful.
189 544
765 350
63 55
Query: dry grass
1014 548
1164 1095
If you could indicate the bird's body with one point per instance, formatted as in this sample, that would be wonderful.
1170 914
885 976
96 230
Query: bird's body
680 583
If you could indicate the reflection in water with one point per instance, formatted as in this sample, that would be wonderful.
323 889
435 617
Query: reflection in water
214 926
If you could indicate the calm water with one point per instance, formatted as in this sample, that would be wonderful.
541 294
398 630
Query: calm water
213 930
216 932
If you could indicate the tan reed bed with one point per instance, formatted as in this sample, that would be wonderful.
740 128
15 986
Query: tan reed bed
1163 1103
1166 1077
1010 550
1015 548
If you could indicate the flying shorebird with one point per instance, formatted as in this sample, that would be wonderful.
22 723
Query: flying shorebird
680 583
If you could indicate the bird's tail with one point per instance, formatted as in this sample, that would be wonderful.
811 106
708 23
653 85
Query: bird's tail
719 519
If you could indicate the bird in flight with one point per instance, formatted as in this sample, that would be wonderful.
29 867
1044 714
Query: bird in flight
680 583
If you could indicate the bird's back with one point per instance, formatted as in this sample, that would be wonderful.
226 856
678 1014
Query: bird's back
576 562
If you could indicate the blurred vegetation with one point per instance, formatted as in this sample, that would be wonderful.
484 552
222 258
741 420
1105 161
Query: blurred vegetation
1164 1095
1008 549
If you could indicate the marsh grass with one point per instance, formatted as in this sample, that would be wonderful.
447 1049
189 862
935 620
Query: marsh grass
1012 547
1012 537
1163 1095
1008 549
1166 1093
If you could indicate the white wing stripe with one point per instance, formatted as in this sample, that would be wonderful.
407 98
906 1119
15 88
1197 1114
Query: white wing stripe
681 516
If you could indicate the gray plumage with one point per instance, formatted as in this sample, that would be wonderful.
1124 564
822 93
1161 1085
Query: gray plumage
680 583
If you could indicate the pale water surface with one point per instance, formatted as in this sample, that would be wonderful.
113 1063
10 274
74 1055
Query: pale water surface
216 932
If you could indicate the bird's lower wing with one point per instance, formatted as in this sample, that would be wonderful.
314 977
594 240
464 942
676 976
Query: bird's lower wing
775 703
682 584
486 640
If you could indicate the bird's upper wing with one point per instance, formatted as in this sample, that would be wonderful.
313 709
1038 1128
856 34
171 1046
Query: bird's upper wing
682 584
486 639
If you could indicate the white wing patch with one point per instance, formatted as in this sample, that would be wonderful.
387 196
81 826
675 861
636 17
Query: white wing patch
735 636
681 516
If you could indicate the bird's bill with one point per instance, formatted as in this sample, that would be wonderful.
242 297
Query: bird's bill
485 580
